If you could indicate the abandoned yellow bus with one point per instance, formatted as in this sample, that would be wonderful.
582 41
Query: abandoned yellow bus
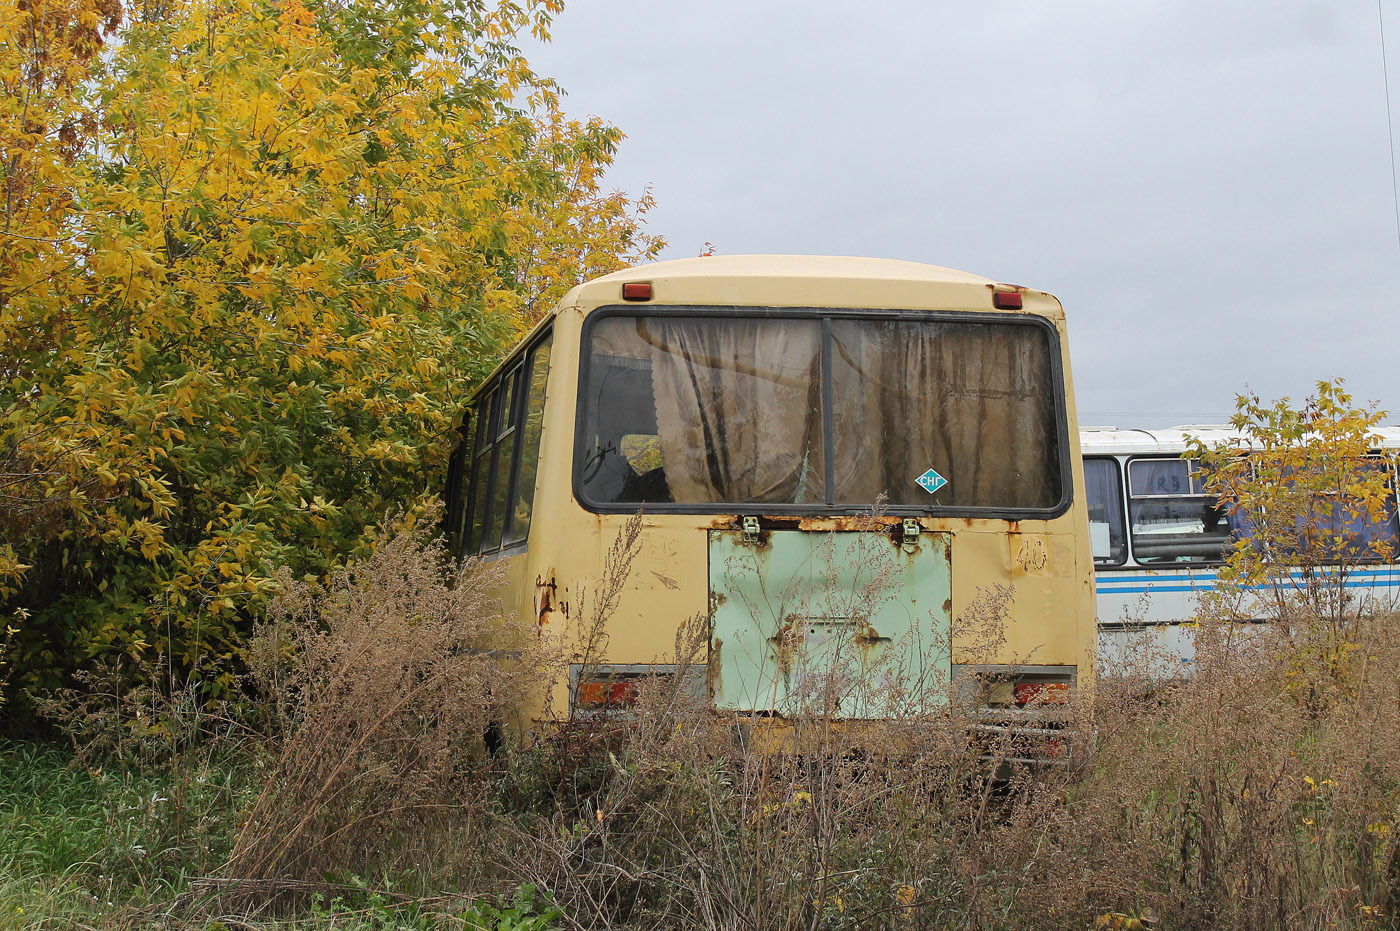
833 460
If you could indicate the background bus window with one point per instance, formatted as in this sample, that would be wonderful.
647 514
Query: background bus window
1352 535
1336 529
1103 489
1172 519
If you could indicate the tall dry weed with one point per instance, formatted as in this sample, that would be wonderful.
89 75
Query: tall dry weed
388 675
1229 798
697 819
1260 792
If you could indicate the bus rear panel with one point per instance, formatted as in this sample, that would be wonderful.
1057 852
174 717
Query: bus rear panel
837 463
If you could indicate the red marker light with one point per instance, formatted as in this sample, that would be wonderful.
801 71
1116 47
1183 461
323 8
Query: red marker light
1002 300
607 694
640 291
1048 692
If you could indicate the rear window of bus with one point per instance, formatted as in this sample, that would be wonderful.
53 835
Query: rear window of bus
707 411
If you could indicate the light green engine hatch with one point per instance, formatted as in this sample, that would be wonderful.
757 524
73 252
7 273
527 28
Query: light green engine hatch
846 623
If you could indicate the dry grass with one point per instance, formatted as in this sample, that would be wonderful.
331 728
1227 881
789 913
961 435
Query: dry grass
1263 792
388 678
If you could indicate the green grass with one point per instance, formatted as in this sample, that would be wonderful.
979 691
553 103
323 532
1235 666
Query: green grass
109 846
87 842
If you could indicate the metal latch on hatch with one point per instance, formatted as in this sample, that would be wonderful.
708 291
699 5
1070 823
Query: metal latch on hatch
750 528
910 534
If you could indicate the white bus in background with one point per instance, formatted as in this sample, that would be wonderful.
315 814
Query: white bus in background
1159 542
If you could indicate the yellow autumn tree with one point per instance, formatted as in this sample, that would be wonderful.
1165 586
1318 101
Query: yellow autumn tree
1311 503
46 53
263 250
579 230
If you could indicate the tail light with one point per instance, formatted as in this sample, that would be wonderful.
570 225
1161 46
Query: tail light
600 694
1027 693
606 688
1022 713
1025 686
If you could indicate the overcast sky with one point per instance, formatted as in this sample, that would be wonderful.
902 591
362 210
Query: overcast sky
1205 184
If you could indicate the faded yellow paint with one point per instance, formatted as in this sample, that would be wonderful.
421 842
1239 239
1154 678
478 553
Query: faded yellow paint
1046 626
1047 562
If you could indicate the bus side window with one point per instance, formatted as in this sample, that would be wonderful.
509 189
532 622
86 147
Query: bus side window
480 472
1341 530
505 435
1104 493
523 495
458 478
499 475
1173 521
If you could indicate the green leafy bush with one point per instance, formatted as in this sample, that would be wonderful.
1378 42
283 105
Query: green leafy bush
254 255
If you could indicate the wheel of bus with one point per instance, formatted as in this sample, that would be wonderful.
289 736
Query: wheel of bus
493 737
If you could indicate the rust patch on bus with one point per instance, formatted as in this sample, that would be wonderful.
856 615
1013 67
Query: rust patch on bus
546 595
788 637
714 677
848 522
868 637
841 523
791 637
785 644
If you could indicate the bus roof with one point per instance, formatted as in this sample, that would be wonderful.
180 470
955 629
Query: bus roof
793 281
793 266
799 280
1171 441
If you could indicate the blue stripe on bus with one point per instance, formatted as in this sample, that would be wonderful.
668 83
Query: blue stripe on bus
1177 587
1211 574
1185 581
1359 579
1160 590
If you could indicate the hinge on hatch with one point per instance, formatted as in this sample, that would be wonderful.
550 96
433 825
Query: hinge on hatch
910 534
750 527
